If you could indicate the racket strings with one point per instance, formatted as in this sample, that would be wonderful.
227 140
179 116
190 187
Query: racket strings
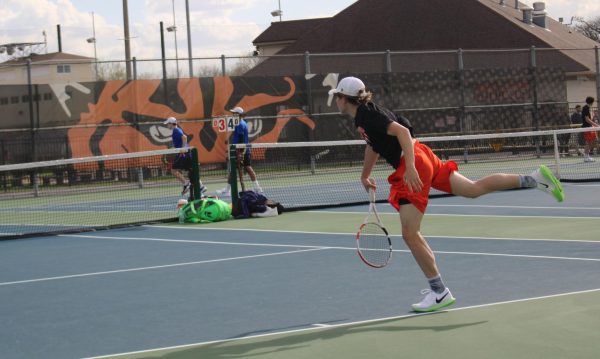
374 245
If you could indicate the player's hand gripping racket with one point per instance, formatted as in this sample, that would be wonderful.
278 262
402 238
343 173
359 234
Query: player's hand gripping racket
372 240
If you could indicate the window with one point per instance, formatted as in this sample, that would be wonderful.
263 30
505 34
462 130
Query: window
48 96
3 100
14 99
63 69
25 98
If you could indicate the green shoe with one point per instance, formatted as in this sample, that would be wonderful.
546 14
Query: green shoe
547 182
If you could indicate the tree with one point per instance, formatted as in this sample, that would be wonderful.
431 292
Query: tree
111 71
589 28
244 64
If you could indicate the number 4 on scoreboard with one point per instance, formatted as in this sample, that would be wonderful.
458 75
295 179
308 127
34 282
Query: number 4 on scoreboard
232 122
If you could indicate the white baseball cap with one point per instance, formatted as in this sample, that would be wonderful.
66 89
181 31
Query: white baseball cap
349 86
238 110
172 120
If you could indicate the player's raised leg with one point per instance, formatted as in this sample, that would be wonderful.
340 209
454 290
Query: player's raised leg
542 179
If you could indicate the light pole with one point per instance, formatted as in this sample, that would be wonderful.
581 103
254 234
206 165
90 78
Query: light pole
277 12
173 29
189 37
93 40
127 38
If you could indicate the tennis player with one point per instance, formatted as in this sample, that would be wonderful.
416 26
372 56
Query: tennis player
416 170
591 138
183 160
243 155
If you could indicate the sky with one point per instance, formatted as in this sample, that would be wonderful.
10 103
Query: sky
218 26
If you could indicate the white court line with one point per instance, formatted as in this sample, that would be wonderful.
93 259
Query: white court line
335 326
334 247
156 267
354 234
193 241
495 206
471 215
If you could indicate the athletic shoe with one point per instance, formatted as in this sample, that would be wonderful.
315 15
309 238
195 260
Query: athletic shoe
203 189
258 190
226 192
434 301
186 188
547 182
588 159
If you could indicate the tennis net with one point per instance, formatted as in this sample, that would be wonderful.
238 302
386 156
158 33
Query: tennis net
304 175
89 193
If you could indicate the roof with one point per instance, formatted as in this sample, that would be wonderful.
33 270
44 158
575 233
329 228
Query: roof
283 31
52 57
408 25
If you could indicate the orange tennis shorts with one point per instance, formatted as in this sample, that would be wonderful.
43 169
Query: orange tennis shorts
590 136
433 173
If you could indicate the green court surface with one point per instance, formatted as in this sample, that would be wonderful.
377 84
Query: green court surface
564 326
479 226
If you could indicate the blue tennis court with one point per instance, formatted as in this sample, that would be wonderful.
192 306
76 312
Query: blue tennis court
521 266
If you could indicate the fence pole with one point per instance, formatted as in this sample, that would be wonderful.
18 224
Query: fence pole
388 60
461 84
534 83
597 56
164 62
134 62
307 71
223 67
33 176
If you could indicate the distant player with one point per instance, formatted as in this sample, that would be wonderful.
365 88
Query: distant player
244 156
591 137
183 160
416 170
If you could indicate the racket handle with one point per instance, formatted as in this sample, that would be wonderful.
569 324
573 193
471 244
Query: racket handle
372 195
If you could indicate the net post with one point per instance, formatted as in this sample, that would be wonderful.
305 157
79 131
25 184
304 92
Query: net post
556 154
140 175
233 173
195 175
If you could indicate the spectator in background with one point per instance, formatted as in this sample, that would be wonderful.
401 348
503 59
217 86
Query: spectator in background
591 137
576 122
243 156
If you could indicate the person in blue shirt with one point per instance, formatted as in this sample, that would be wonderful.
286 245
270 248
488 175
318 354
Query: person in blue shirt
240 135
183 160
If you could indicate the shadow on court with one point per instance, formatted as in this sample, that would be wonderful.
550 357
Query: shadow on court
284 345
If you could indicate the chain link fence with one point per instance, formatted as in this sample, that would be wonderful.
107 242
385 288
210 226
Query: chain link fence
66 109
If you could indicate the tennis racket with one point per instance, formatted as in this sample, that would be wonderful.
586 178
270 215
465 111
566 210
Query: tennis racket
373 242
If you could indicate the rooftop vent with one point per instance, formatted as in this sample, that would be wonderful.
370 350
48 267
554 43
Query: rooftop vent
527 15
539 14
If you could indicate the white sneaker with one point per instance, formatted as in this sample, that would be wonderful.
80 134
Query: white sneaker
547 182
258 190
434 301
224 192
588 159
